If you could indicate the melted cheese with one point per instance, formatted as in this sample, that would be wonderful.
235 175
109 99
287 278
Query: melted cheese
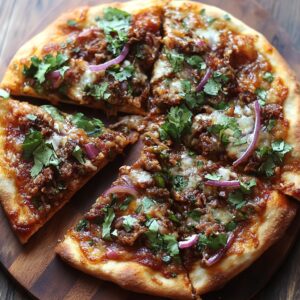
140 176
211 35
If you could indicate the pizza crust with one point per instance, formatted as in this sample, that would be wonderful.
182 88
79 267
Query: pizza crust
13 79
127 274
249 245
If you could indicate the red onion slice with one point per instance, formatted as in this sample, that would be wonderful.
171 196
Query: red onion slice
55 78
121 189
223 183
115 61
253 143
204 80
215 258
191 241
111 254
91 150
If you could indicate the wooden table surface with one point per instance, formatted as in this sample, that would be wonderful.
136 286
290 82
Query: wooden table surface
286 282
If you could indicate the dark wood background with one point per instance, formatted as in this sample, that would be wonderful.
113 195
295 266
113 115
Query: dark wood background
285 284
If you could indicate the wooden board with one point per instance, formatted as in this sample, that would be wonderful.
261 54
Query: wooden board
35 266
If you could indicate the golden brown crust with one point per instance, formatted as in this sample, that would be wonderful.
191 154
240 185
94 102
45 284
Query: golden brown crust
250 244
128 274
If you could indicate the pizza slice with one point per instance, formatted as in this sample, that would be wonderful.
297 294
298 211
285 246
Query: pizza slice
45 157
244 96
97 56
129 236
226 219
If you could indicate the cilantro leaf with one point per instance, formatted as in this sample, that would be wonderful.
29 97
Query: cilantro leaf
124 205
108 219
230 226
4 94
128 223
268 76
196 61
97 91
214 85
214 242
31 117
92 126
262 96
192 99
236 199
146 205
178 121
212 176
195 215
32 140
54 112
179 182
171 244
152 225
247 186
39 68
115 24
82 225
122 73
78 154
176 60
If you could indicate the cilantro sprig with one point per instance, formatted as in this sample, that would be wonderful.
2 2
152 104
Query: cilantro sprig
92 126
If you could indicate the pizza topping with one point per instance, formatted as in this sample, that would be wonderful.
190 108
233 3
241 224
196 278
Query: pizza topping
189 242
115 61
204 81
219 255
115 24
91 150
223 183
256 131
4 94
106 227
78 154
117 189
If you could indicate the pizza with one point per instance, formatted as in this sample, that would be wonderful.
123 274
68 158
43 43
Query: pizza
218 109
175 220
46 156
99 57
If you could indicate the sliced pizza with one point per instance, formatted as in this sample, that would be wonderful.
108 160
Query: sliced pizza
226 220
129 236
242 92
45 157
95 56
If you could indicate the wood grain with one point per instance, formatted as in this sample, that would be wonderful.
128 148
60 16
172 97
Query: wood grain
35 265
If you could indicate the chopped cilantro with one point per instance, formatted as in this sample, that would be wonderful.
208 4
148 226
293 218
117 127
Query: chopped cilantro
247 186
128 223
212 176
171 244
124 205
268 77
72 23
53 112
92 126
236 199
197 62
145 205
97 91
174 218
42 153
115 24
176 60
192 99
273 156
122 73
262 96
106 227
179 182
227 17
214 242
230 226
152 225
31 117
178 122
39 68
271 124
78 154
159 180
194 215
212 87
82 225
4 94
